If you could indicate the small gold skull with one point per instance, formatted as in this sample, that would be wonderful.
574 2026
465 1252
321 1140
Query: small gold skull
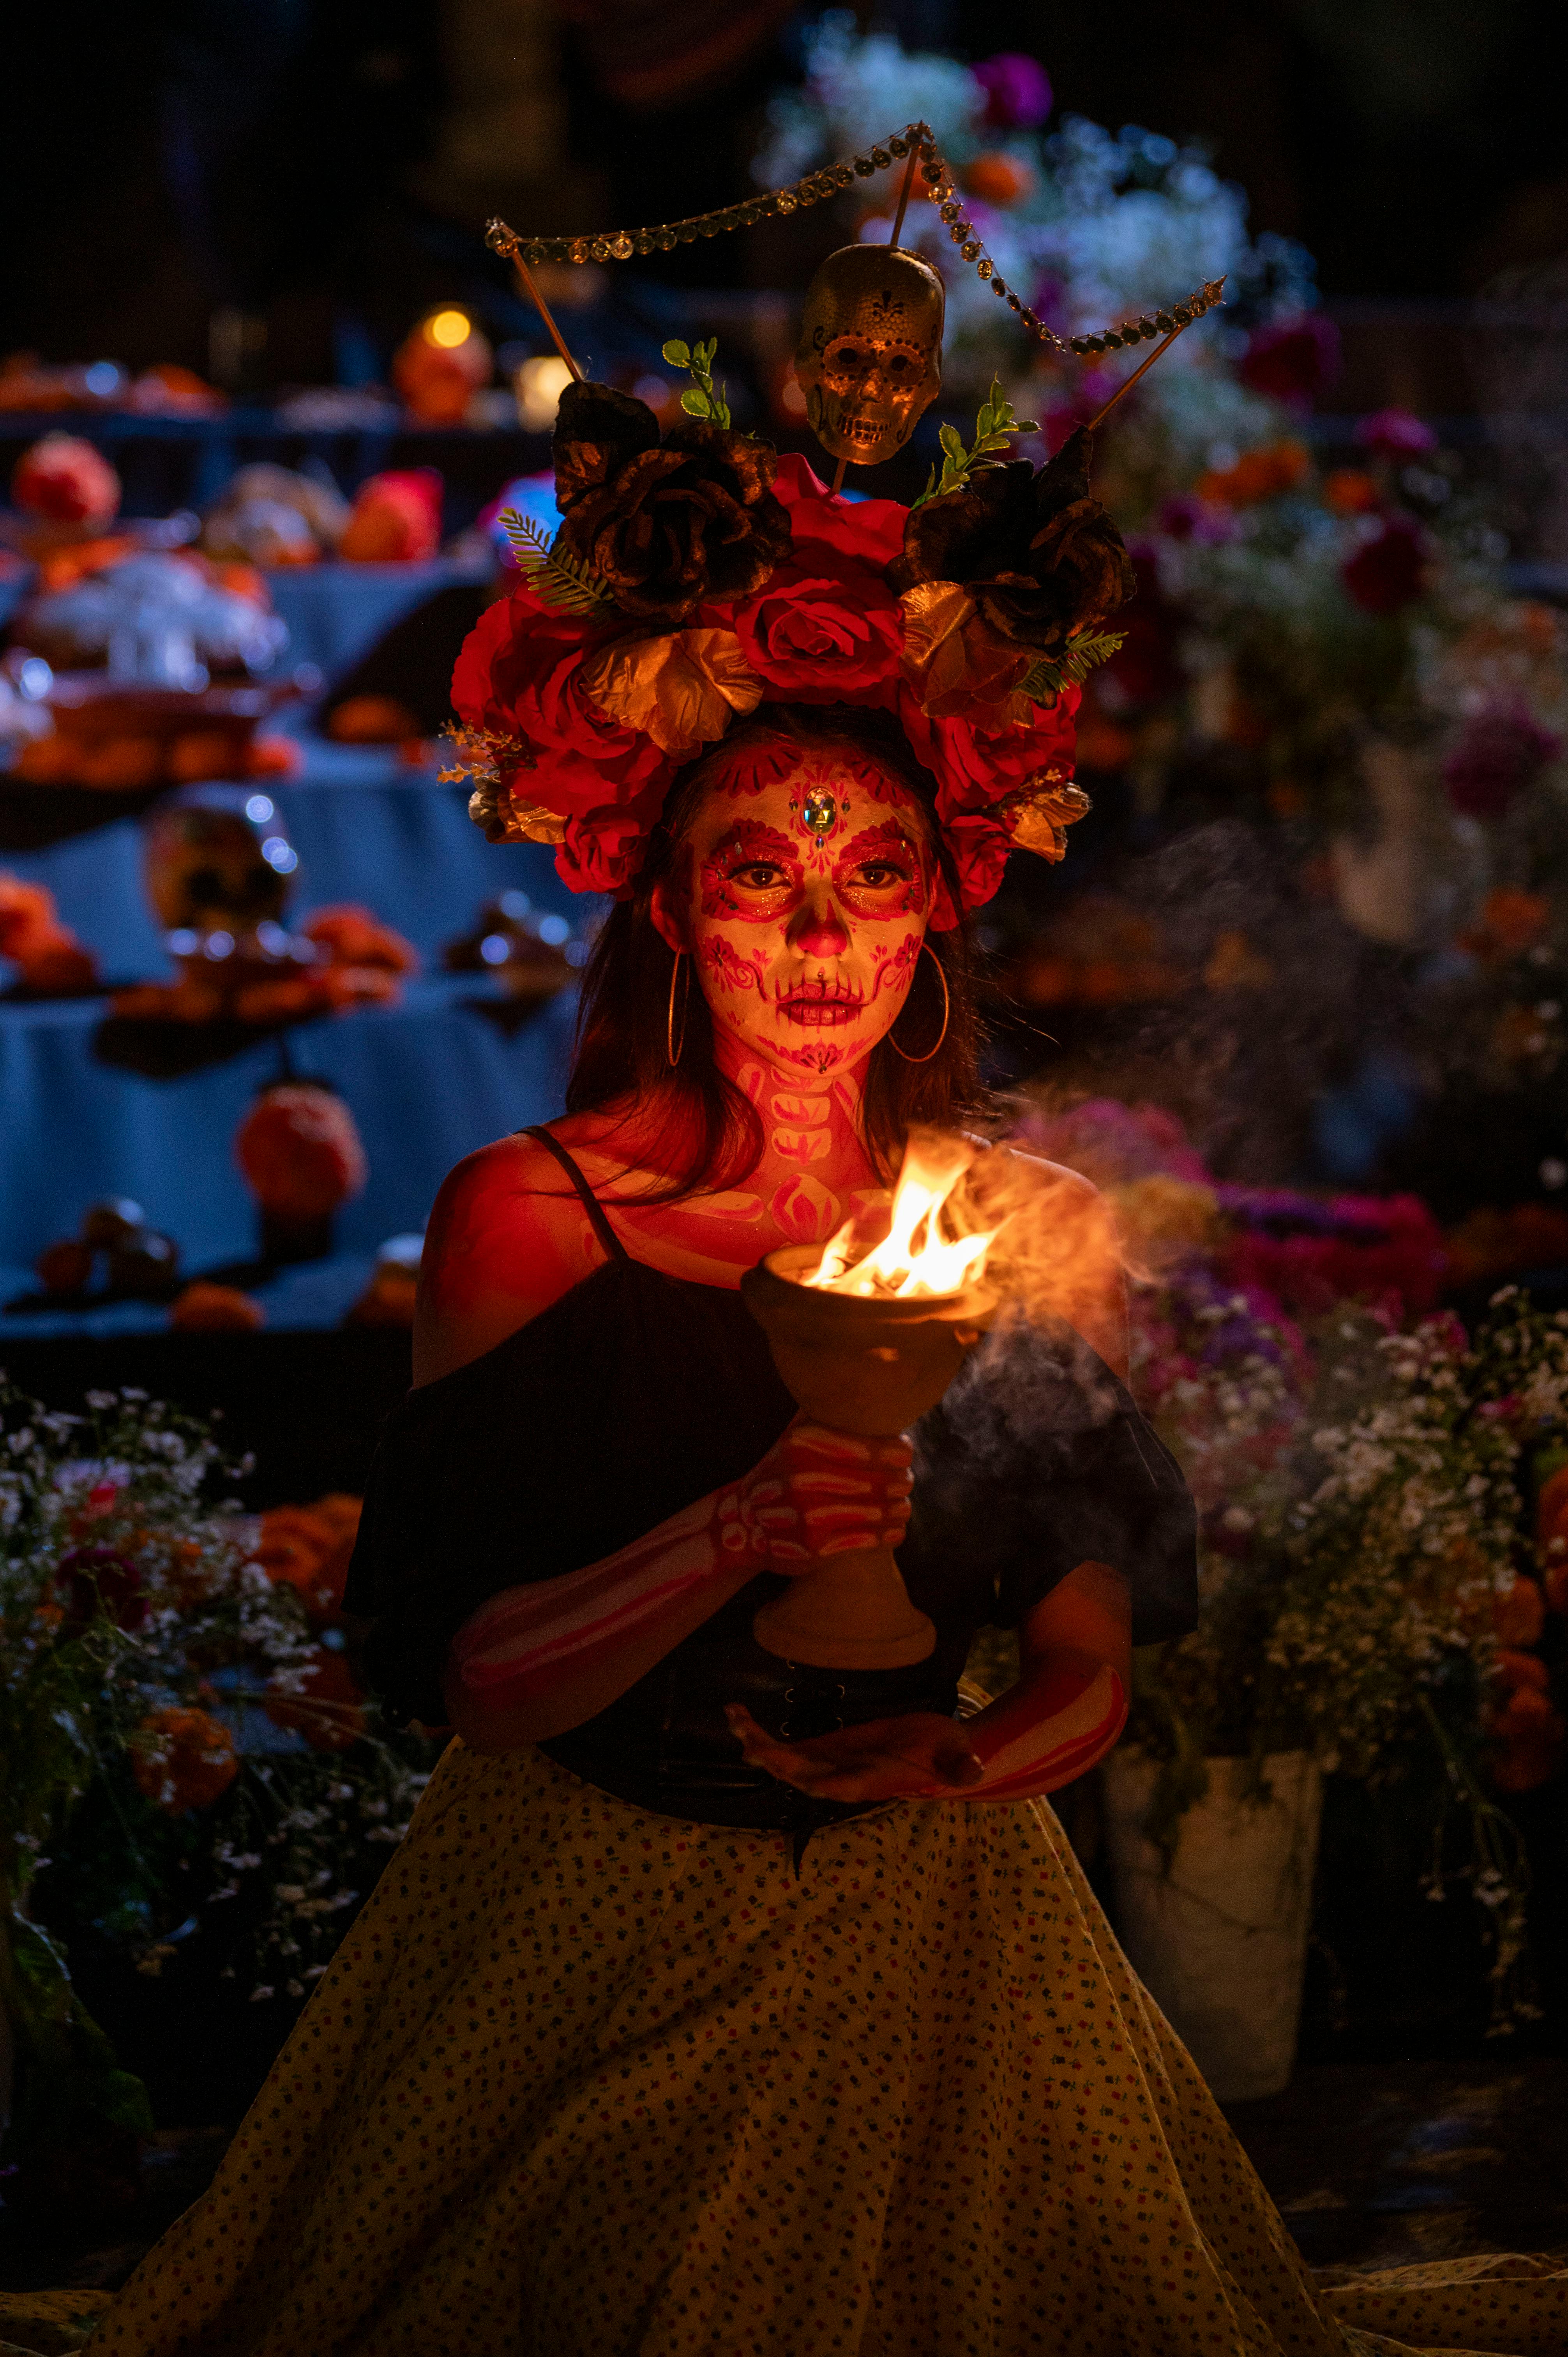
870 356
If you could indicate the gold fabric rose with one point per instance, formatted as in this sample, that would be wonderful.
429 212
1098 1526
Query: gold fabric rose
1039 814
954 659
682 691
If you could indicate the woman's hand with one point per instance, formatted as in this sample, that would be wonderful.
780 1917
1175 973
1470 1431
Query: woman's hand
817 1492
886 1760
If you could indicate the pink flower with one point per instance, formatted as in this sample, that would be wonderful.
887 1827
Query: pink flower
1017 91
1395 434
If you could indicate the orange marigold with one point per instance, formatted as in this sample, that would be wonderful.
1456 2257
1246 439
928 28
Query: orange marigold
182 1759
307 1549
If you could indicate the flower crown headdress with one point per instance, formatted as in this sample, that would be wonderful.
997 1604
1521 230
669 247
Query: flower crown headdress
697 573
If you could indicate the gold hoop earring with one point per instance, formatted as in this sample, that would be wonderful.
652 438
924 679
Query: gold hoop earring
672 1046
927 951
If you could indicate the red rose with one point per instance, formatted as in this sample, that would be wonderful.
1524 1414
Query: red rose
1387 571
520 674
974 768
979 848
806 637
868 532
601 850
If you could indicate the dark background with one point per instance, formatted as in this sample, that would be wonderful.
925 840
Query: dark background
324 164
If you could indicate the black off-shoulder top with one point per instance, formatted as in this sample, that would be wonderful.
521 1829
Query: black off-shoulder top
637 1393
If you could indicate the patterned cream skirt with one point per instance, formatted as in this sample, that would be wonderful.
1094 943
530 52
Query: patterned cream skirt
584 2082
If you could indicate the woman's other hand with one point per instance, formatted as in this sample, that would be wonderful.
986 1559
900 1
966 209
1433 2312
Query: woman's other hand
886 1759
817 1492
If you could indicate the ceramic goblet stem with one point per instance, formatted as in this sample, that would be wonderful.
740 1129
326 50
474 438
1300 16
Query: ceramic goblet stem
869 1366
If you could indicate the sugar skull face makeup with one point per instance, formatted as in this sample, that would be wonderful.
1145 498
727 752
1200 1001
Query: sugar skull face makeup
803 898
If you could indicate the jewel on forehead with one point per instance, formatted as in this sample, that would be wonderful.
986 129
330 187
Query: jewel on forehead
819 813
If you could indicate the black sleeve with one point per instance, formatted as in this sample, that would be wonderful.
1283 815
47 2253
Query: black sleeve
1039 1461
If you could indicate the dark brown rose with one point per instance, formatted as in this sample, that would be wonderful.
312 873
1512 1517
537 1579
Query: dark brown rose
597 431
1038 553
671 527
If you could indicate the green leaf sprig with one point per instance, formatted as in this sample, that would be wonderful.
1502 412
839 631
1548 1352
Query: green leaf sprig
553 574
1044 681
702 398
994 431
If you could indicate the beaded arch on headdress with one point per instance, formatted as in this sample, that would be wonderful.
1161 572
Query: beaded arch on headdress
917 143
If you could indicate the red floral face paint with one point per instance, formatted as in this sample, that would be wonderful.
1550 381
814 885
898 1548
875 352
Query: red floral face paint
882 871
805 917
751 871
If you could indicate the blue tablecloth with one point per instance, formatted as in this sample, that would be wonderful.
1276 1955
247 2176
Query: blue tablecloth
337 612
426 1080
365 829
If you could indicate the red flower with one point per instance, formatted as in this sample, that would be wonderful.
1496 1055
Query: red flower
807 639
96 1580
603 850
979 848
1387 571
1292 359
868 533
1499 752
395 519
520 674
1395 434
974 768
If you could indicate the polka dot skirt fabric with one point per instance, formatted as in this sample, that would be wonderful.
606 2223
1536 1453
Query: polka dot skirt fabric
584 2082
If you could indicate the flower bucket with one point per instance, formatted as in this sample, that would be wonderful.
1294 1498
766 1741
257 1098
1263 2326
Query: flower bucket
1221 1943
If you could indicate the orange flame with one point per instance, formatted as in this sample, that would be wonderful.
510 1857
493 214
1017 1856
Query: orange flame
915 1260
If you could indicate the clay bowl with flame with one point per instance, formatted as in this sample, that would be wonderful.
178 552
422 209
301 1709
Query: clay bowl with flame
871 1364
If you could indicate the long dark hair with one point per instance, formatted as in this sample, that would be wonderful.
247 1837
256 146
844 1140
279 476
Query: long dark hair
703 1133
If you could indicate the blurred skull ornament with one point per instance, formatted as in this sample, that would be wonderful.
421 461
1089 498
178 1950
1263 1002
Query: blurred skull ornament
869 361
209 869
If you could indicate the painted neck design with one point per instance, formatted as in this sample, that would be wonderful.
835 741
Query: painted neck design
814 1170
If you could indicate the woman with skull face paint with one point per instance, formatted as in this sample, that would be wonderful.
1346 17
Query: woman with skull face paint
714 2005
